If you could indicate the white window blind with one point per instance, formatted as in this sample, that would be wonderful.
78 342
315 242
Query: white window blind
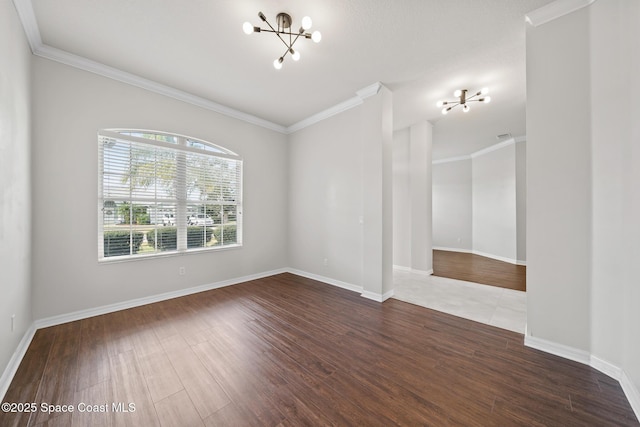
160 193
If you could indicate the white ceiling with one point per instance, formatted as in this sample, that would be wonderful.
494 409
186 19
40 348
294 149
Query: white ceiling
422 50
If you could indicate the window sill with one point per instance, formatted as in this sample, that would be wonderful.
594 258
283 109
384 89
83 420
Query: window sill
166 254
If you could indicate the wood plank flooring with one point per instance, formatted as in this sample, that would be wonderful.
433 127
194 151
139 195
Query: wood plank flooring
479 269
289 351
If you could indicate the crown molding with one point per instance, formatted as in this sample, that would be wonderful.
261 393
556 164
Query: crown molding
482 152
58 55
325 114
493 147
361 95
555 10
451 159
29 23
370 90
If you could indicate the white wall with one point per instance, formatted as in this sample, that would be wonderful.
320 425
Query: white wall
583 202
494 203
401 199
421 181
412 198
452 205
340 192
15 182
325 190
559 182
521 200
70 106
610 133
615 140
631 352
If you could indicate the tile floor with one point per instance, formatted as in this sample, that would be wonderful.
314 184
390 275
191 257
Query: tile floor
503 308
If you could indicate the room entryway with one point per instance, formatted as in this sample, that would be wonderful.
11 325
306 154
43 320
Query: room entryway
479 269
469 286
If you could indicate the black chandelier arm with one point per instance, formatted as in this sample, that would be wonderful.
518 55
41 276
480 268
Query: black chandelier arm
273 30
285 43
264 30
296 39
460 103
285 53
287 33
290 34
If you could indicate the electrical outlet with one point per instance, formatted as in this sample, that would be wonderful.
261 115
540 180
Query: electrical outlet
325 262
13 322
182 271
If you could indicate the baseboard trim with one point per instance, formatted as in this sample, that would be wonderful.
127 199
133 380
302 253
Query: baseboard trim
496 257
632 393
605 367
484 254
584 357
97 311
561 350
448 249
376 296
327 280
14 362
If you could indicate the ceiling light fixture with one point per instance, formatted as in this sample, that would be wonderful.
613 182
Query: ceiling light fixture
283 21
461 94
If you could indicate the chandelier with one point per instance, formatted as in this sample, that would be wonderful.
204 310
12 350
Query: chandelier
283 31
461 94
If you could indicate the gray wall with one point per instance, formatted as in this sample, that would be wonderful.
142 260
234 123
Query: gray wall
615 167
15 182
479 203
420 164
521 200
583 163
340 193
401 199
412 198
325 188
70 105
494 203
559 182
452 205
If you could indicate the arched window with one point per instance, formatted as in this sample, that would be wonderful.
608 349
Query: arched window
161 193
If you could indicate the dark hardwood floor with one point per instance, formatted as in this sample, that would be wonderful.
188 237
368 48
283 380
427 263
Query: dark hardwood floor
479 269
288 351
